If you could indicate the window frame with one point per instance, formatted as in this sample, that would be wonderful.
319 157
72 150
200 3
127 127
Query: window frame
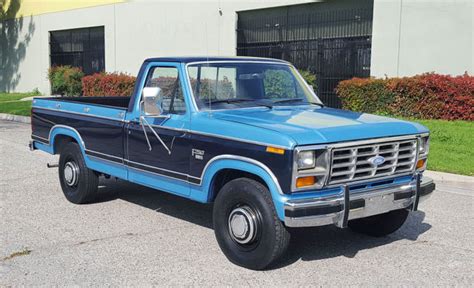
79 56
291 66
149 74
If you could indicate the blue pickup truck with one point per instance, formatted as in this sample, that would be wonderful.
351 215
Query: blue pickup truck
250 136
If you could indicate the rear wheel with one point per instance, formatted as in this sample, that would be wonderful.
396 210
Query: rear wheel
79 184
246 226
380 225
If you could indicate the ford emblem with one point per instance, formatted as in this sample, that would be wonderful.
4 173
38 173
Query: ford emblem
376 160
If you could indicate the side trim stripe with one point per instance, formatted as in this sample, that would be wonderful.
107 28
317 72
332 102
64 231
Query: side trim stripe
104 156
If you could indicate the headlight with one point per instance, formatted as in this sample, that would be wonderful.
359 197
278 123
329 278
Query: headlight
306 160
424 145
424 148
310 169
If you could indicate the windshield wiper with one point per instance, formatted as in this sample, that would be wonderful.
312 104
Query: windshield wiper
297 100
231 100
238 100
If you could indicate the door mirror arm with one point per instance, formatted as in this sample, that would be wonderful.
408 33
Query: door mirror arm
150 107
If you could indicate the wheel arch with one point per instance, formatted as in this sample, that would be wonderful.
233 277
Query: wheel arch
59 135
235 167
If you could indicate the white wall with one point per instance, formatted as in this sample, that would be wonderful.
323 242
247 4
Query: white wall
134 31
409 36
412 37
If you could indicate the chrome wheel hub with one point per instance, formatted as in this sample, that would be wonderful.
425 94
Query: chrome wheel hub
71 173
242 224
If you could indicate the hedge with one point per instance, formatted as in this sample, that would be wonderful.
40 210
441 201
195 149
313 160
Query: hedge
108 84
65 80
426 96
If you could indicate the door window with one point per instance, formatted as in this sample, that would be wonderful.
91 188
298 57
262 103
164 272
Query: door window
171 95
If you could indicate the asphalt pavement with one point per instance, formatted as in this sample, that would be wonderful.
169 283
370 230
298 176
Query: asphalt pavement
135 236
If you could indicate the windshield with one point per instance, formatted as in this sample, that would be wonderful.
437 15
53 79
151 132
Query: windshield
236 85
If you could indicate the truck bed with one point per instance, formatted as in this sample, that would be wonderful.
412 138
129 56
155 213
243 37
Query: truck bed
97 121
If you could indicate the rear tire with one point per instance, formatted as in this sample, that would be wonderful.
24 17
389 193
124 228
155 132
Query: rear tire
380 225
79 183
246 225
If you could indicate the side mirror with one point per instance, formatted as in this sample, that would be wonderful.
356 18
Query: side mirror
150 101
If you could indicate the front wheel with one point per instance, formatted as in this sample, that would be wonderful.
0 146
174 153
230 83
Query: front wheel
79 183
246 226
380 225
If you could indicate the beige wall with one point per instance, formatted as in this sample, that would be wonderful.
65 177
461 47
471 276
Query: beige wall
431 36
412 37
134 31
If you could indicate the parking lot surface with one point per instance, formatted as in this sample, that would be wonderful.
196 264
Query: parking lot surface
135 236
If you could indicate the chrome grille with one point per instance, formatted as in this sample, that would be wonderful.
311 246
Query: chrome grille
352 163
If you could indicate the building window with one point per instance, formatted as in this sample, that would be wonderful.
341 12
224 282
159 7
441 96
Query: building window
82 48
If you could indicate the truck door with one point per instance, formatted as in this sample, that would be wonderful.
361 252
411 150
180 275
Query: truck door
158 148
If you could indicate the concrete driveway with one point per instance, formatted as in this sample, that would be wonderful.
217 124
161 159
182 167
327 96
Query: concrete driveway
136 236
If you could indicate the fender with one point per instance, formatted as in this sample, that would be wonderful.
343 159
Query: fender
248 165
47 145
66 131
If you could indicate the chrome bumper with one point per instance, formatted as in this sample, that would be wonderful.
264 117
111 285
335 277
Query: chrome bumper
347 206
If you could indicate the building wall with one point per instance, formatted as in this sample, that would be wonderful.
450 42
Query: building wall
412 37
24 8
134 30
409 36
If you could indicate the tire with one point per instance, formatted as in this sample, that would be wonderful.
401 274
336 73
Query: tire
247 201
79 184
380 225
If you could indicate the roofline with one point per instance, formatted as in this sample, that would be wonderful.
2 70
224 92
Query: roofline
190 59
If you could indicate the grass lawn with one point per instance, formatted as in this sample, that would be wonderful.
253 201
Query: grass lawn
4 97
16 107
10 103
451 146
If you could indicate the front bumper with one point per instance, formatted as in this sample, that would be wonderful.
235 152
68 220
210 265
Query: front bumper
347 206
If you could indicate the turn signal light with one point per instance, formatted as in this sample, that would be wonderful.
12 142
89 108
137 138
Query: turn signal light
275 150
305 181
420 163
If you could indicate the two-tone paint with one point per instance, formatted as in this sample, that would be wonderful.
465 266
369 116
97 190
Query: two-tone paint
113 140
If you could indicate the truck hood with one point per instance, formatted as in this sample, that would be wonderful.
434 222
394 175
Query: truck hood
315 125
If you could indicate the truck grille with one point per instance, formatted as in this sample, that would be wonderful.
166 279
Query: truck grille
352 163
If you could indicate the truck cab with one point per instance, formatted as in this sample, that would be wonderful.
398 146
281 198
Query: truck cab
249 135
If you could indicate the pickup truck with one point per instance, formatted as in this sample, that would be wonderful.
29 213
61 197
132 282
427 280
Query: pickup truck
248 135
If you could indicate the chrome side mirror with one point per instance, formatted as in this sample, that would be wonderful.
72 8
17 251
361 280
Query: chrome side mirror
151 105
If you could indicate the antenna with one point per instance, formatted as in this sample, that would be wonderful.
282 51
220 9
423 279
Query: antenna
207 63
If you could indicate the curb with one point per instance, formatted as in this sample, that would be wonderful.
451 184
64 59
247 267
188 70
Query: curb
442 176
15 118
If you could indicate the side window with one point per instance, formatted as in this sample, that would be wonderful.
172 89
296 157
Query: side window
213 83
167 79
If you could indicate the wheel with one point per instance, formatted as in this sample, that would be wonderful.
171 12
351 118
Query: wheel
380 225
79 184
246 226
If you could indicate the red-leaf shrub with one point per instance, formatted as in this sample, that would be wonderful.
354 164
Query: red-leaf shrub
108 84
426 96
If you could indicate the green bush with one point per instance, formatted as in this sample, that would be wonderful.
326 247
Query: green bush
65 80
310 78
